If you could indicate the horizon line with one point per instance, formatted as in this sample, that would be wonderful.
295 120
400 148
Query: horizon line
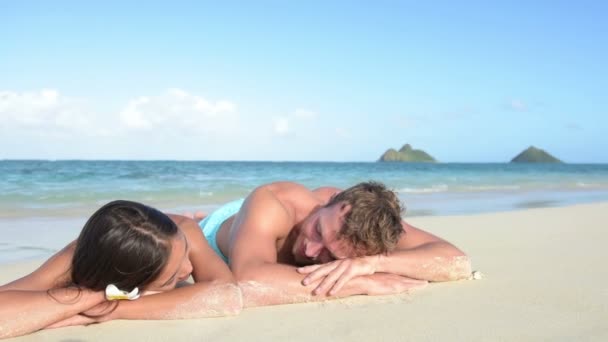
285 161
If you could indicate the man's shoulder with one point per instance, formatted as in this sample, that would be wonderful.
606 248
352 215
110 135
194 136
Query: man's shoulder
288 193
325 193
294 198
275 196
268 211
284 186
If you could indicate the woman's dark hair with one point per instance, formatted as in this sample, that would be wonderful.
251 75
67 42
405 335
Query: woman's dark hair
124 243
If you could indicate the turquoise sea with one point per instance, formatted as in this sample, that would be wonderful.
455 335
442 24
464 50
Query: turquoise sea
44 203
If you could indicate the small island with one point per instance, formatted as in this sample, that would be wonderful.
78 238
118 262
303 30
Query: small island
406 154
535 155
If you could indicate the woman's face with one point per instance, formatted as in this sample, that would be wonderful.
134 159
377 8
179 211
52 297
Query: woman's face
178 267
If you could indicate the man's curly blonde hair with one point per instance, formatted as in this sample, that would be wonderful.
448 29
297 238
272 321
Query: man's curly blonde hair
373 224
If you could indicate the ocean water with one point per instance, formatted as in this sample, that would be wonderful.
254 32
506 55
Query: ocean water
48 201
76 188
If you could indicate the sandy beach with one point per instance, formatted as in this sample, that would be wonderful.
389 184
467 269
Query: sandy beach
544 279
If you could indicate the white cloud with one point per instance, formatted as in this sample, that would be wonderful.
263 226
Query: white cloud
175 124
46 109
49 95
132 116
296 120
48 112
176 108
224 106
342 132
281 126
517 105
304 114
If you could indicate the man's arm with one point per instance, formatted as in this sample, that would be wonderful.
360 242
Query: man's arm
253 258
419 255
422 255
274 284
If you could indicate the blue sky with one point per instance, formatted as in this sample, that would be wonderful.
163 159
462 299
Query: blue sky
282 80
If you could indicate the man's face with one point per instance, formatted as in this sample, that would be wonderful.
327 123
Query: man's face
317 241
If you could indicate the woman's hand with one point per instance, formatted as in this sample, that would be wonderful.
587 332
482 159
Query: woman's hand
72 321
101 312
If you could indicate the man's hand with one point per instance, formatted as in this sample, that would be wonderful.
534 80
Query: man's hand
337 273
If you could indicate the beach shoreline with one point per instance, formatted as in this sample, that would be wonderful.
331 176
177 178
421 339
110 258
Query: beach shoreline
543 279
16 243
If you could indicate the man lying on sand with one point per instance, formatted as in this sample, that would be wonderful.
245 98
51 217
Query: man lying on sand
286 243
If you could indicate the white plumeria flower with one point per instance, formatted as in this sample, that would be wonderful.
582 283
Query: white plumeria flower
113 293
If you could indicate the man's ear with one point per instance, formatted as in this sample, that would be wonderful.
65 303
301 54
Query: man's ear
331 198
345 207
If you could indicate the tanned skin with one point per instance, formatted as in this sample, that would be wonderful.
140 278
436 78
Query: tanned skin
283 226
191 256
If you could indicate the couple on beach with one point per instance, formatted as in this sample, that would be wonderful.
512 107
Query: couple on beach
283 243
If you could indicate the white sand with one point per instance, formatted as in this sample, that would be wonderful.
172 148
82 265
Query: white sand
545 278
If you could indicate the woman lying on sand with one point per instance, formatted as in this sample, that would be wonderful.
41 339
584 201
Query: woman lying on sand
138 250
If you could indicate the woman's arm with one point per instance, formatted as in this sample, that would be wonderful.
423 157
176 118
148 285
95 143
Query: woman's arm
27 304
208 299
23 312
53 273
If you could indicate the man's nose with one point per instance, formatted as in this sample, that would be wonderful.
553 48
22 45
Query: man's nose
313 249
